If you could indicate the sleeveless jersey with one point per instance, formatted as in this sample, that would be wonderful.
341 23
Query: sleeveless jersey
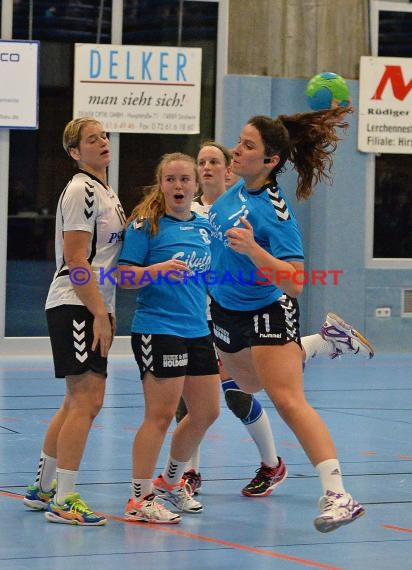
165 306
87 205
239 284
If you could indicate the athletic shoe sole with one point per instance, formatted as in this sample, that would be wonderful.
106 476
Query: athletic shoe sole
36 505
133 518
363 340
51 517
329 526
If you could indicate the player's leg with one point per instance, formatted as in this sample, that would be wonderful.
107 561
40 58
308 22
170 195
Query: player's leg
231 338
201 385
240 399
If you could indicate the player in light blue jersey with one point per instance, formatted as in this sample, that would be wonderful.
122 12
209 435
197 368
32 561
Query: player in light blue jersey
238 280
256 254
186 242
214 165
166 255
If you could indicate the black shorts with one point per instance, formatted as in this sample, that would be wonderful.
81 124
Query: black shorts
275 324
71 337
168 356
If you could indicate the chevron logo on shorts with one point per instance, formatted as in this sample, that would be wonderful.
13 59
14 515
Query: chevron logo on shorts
79 342
279 204
147 356
290 318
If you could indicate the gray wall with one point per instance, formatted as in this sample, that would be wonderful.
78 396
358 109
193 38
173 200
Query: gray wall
333 221
297 38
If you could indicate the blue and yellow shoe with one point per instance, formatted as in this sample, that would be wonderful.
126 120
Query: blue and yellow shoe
38 499
74 511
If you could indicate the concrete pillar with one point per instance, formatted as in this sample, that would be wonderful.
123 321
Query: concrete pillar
297 38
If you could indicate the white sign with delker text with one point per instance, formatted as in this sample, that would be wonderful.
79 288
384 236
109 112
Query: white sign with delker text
139 89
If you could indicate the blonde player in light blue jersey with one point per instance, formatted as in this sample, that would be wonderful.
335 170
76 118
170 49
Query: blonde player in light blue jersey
165 257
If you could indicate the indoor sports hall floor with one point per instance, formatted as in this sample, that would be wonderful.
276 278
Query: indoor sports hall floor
367 405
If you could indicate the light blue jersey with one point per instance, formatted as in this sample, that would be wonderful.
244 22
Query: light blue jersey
166 306
239 284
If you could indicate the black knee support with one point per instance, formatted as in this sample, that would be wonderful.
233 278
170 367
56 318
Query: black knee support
239 403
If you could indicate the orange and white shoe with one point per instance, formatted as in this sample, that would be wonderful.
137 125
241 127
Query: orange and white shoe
180 495
150 510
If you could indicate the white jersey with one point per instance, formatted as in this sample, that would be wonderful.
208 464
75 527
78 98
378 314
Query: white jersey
87 205
203 210
200 208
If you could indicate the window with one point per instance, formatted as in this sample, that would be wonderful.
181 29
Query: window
391 32
38 167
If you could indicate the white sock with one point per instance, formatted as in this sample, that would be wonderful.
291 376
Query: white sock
141 488
330 476
66 484
315 345
173 471
261 433
194 461
46 472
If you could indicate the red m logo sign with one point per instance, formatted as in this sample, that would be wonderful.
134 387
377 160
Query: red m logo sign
393 74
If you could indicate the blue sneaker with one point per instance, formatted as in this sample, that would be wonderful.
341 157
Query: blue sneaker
37 499
74 511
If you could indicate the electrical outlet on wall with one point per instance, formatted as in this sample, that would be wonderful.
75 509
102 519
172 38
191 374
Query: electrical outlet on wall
383 312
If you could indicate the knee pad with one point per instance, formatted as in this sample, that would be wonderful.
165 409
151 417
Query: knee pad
244 406
239 403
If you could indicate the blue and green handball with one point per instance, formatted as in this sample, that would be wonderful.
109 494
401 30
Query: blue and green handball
327 90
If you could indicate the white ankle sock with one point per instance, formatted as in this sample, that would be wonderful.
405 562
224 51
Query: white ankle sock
141 488
173 471
46 472
66 484
194 461
330 476
315 345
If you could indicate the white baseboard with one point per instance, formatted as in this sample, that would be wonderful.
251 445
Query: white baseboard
40 345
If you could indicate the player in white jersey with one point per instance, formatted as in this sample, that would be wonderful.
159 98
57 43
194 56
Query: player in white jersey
80 315
215 172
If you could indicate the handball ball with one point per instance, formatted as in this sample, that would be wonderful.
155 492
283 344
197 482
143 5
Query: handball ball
327 90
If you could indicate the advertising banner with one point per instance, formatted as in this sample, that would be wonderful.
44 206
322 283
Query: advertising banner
385 105
139 89
19 84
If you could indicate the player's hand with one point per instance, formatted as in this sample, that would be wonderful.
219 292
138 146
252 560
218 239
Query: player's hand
173 269
102 334
241 240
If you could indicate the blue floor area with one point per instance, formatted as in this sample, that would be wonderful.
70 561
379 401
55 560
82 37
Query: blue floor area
366 404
